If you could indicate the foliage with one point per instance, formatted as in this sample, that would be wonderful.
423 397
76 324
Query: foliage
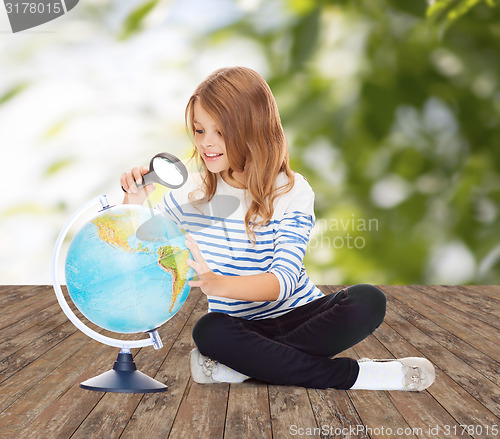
134 20
392 123
12 92
445 12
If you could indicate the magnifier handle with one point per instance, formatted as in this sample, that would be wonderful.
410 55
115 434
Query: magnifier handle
146 179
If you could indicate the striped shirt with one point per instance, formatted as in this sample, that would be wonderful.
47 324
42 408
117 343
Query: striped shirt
218 227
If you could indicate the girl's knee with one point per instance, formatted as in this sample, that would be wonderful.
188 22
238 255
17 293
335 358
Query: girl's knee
372 299
209 330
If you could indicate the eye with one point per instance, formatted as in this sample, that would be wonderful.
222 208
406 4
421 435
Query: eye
199 131
219 133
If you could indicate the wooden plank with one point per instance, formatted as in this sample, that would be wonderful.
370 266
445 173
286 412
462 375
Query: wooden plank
21 358
33 410
20 310
420 410
56 404
331 289
485 391
456 386
10 294
156 412
335 412
368 423
31 375
71 410
290 407
31 330
202 411
443 302
248 411
65 412
465 350
291 412
382 422
41 397
111 414
492 291
8 333
386 419
394 341
465 327
456 401
482 307
28 295
479 293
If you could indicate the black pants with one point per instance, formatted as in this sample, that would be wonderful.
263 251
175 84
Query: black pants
295 348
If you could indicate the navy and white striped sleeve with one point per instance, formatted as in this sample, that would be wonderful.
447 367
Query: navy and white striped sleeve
291 238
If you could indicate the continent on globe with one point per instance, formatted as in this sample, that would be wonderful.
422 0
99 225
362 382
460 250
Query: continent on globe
173 261
116 230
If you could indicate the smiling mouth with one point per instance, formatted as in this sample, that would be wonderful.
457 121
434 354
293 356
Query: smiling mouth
212 156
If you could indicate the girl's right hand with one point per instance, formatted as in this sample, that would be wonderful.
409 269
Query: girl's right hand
133 194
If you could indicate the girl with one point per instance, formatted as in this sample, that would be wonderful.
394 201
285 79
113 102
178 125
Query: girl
248 218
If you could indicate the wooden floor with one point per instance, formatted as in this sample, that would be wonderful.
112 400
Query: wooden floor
43 358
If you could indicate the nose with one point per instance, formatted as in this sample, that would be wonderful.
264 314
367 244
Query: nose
208 140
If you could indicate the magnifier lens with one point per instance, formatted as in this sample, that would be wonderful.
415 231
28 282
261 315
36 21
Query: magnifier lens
167 171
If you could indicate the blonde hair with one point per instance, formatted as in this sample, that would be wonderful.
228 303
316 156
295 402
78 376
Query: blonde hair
242 105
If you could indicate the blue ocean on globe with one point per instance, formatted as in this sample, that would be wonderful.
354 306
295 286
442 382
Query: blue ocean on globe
126 269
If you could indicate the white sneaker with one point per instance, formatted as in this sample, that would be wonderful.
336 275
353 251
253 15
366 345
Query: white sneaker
418 373
204 370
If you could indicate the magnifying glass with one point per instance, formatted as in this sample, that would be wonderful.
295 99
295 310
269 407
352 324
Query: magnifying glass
165 169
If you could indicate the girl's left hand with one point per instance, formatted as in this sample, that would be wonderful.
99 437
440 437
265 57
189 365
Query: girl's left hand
207 279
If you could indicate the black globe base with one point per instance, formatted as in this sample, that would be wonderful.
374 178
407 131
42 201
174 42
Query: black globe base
124 378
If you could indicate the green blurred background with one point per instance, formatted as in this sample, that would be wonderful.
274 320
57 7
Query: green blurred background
391 110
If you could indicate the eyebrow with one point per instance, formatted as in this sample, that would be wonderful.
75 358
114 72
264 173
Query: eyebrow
195 122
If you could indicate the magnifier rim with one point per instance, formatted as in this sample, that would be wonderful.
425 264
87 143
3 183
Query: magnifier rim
175 161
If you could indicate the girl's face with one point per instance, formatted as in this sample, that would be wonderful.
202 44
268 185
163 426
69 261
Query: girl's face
209 141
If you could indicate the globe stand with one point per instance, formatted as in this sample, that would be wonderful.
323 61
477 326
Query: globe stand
124 378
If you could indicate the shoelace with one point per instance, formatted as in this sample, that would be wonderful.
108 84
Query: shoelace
415 377
210 366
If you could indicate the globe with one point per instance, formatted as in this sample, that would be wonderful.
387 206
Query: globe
126 269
